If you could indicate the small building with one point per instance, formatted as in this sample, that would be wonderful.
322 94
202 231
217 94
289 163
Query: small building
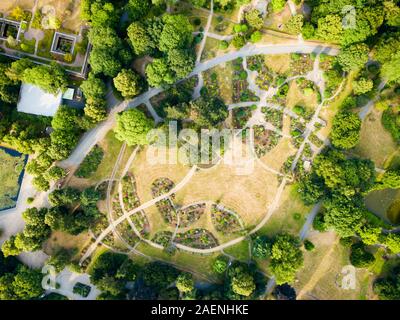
9 28
73 97
34 100
63 43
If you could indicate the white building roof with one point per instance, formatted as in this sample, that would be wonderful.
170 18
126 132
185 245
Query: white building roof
34 100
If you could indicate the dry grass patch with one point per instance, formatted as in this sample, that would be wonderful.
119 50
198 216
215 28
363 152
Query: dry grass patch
277 156
375 142
247 195
225 74
321 276
8 5
289 216
279 63
65 240
297 97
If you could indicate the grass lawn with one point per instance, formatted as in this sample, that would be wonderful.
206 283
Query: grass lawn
61 239
279 63
321 275
11 167
199 264
240 251
45 44
289 216
375 142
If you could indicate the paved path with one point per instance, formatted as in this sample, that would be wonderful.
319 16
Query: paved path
205 33
369 106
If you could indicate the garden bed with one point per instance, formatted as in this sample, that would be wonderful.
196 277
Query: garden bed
159 187
197 238
163 238
264 140
300 64
225 221
189 215
129 194
274 117
241 92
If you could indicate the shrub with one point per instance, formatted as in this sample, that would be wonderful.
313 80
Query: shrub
319 223
90 163
308 245
359 257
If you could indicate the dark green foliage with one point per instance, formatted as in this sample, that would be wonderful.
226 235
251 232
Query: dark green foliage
360 257
66 196
91 162
346 130
159 275
388 288
61 258
308 245
391 122
353 57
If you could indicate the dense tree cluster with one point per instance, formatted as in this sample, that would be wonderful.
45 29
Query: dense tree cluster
73 212
388 288
169 39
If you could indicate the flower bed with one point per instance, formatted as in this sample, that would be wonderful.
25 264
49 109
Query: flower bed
225 221
300 64
241 116
139 219
163 238
273 116
197 238
240 84
264 140
129 194
190 214
159 187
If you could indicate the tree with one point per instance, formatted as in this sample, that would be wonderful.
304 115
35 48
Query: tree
286 258
392 13
220 264
17 68
362 86
359 257
205 112
353 57
104 37
243 284
140 39
95 110
103 14
41 183
51 78
128 83
346 130
254 19
90 196
133 127
329 28
176 33
277 5
138 8
369 234
61 258
104 61
392 242
159 73
185 282
181 62
256 37
238 41
93 87
9 248
66 119
159 275
391 69
295 24
27 283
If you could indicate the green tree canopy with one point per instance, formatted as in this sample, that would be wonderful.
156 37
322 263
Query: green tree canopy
133 127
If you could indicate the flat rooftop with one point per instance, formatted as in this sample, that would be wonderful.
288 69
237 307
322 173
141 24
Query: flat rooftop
34 100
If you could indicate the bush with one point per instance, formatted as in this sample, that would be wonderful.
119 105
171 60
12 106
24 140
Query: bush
360 257
308 245
90 163
319 223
